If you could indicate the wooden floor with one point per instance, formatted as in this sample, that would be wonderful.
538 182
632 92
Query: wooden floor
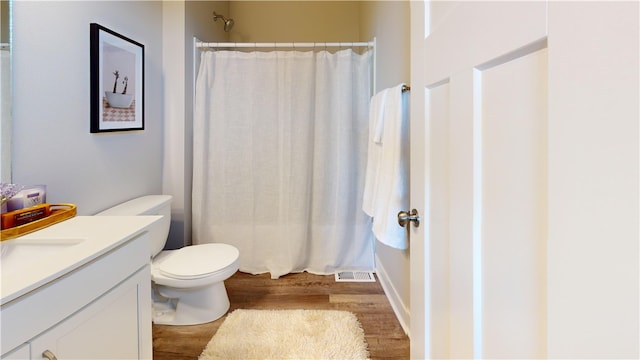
367 301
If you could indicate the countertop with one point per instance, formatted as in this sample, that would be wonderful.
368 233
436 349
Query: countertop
89 236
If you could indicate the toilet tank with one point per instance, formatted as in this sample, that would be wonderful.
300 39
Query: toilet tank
147 205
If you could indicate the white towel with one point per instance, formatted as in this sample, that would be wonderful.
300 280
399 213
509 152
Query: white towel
392 184
376 126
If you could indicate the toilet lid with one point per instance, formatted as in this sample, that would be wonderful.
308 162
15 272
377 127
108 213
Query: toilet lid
197 261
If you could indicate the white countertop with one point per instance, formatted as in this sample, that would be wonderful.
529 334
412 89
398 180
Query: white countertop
90 236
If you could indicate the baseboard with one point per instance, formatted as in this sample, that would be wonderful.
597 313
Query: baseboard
401 311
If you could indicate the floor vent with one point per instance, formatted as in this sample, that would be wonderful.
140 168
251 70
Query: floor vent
355 276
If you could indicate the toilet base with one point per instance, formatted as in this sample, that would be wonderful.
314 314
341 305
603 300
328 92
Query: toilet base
190 306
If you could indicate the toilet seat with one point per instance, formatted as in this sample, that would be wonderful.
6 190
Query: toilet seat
196 261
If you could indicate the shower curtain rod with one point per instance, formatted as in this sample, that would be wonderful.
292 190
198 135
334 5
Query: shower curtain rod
198 44
211 45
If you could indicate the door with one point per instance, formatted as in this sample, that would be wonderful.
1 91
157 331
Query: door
524 165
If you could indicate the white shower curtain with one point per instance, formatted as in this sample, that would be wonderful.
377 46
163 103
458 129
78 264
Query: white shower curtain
280 142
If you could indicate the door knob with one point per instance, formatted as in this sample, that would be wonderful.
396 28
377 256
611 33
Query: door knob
405 217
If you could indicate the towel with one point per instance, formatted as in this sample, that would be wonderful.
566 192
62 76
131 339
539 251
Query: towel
391 193
376 126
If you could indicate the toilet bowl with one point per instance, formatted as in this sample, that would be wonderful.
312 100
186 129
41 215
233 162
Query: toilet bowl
187 283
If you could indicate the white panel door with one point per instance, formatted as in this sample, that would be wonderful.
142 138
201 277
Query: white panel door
520 232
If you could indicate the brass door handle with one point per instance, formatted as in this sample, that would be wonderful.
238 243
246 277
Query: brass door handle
48 355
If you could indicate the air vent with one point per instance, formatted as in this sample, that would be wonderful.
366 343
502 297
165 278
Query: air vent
355 276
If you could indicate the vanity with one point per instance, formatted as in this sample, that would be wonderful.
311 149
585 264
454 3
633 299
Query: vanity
80 289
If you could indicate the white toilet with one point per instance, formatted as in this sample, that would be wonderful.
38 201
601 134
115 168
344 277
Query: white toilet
188 283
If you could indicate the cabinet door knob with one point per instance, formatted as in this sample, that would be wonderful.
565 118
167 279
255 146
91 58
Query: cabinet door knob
49 355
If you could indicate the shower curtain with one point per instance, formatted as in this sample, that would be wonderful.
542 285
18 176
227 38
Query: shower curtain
279 159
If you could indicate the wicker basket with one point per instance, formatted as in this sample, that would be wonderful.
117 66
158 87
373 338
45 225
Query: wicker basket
59 212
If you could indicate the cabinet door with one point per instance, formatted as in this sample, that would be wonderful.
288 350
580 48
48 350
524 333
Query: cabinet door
108 328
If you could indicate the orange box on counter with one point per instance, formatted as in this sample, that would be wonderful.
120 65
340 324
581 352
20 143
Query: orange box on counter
24 216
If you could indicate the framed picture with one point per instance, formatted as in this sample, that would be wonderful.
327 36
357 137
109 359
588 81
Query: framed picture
117 81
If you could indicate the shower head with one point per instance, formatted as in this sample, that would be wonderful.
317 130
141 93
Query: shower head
228 23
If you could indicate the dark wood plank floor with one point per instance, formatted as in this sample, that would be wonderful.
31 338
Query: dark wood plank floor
367 301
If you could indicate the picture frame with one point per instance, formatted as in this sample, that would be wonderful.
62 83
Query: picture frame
117 81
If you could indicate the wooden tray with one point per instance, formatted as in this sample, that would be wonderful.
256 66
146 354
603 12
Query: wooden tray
59 212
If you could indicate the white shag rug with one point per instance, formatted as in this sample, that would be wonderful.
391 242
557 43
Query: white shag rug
288 334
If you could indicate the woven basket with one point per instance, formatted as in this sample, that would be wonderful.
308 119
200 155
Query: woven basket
59 212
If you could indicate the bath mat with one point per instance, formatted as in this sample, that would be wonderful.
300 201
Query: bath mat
288 334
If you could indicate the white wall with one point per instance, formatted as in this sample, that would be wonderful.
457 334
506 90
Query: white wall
388 22
175 171
52 143
182 20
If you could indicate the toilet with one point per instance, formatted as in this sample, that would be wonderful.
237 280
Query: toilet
188 283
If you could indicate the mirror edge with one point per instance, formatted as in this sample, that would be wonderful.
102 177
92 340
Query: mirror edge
6 31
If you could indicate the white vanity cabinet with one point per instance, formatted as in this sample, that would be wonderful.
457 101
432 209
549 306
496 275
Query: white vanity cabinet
106 329
98 310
